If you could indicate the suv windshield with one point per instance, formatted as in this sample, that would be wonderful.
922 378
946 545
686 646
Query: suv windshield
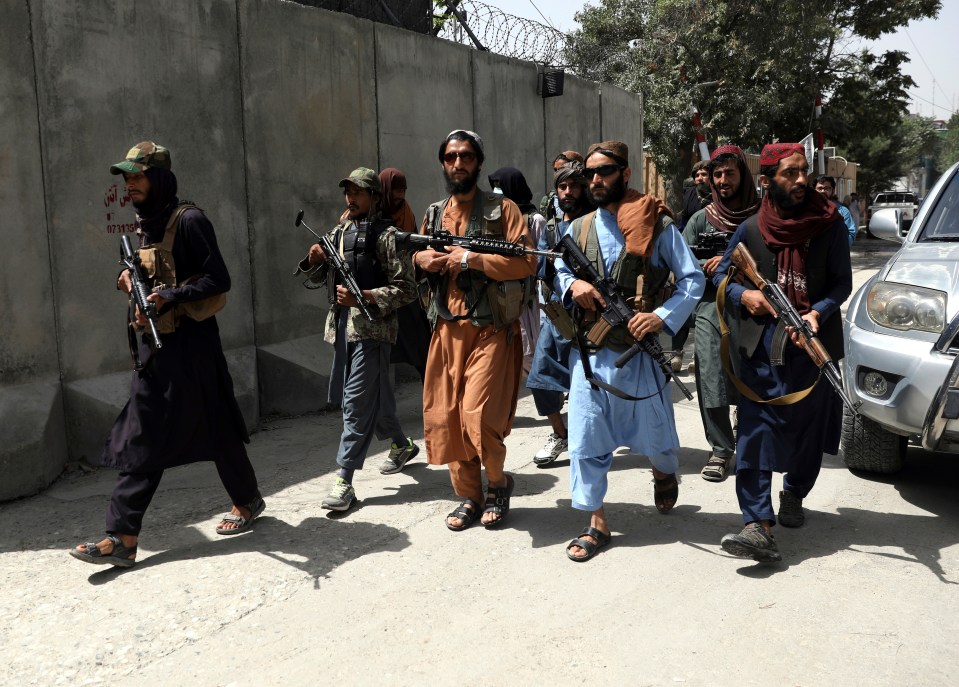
942 222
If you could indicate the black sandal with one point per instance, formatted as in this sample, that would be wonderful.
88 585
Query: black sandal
665 489
591 548
256 507
497 501
466 515
118 556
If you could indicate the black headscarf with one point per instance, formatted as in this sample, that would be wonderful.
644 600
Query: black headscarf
514 186
160 202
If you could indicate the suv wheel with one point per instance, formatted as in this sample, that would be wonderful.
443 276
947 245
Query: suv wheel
867 446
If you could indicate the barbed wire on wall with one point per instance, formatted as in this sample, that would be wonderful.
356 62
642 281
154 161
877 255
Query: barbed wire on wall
504 34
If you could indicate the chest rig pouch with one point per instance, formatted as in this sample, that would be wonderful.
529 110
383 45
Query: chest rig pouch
644 285
356 242
159 268
488 301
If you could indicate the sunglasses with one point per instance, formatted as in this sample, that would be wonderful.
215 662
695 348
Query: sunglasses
465 156
602 170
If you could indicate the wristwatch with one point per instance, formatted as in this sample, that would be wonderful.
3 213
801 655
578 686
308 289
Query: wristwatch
463 261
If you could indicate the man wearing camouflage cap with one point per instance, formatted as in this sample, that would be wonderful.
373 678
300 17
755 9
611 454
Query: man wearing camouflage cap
367 242
181 408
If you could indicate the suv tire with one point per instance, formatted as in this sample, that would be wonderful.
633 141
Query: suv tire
867 446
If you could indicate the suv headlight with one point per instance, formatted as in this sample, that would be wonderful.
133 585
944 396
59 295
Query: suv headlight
903 307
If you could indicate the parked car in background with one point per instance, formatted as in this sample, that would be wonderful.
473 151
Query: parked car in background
901 333
905 201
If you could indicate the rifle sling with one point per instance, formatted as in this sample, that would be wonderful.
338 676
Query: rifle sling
784 400
599 383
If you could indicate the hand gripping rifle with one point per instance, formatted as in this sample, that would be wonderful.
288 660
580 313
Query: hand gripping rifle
442 240
617 311
139 291
788 314
339 266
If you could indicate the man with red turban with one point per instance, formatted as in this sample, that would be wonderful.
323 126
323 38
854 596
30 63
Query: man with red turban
798 239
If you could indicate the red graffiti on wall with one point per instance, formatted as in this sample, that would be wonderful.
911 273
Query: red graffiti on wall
117 196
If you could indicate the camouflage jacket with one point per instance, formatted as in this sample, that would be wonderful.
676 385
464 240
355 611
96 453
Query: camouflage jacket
400 289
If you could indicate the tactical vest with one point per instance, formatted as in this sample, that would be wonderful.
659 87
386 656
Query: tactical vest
160 270
639 280
488 301
817 283
357 244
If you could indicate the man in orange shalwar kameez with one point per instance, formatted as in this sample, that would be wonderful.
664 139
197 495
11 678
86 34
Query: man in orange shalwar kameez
476 353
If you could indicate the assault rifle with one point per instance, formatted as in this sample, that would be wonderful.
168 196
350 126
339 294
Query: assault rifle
442 240
340 267
788 314
138 290
616 313
710 244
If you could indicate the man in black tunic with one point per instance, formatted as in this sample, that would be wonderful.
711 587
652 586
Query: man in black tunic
181 408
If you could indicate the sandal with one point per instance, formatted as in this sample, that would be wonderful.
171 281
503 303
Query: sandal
591 548
466 515
119 555
256 506
665 489
497 502
715 468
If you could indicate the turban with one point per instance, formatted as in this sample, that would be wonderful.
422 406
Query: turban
774 152
728 150
617 150
571 171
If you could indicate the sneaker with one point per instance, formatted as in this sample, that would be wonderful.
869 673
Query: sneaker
398 457
555 445
790 510
752 542
341 497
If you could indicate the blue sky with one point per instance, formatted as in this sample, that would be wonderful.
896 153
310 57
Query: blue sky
930 45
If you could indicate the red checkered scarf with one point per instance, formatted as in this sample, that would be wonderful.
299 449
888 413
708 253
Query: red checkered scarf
789 237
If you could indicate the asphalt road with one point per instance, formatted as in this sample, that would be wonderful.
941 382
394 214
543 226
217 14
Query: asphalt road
385 594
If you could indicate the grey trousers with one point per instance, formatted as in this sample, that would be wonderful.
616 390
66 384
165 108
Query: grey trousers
369 406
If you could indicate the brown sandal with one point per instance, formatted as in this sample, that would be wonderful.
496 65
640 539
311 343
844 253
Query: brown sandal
715 468
665 490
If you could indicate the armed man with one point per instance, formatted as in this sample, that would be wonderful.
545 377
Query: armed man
632 239
548 380
365 240
788 415
181 408
476 354
734 201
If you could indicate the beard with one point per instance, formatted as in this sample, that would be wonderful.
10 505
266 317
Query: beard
780 196
571 205
602 196
464 186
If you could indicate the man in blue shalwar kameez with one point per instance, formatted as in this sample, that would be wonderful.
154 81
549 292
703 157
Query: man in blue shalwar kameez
799 239
632 238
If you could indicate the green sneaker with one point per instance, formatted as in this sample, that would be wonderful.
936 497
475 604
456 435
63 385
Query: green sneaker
399 456
341 496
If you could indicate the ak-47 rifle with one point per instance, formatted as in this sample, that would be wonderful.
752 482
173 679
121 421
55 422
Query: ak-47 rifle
340 267
616 313
139 291
442 240
787 313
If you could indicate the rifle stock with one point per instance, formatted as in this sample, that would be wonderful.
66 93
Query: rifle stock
786 311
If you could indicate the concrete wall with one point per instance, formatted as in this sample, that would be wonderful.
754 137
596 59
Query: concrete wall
265 105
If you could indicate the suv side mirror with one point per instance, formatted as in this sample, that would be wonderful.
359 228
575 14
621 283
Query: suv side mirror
887 224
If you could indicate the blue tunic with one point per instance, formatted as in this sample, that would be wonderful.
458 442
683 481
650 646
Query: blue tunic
550 369
602 422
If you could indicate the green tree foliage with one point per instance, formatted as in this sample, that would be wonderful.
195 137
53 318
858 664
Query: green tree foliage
752 68
949 149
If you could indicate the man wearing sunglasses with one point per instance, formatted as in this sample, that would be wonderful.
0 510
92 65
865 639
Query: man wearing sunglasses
631 238
476 354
